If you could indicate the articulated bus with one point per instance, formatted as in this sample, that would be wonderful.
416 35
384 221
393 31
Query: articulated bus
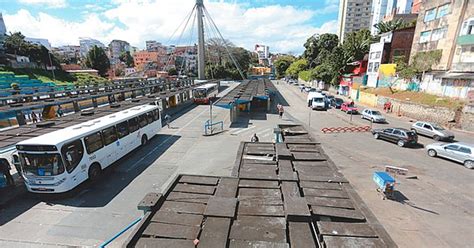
61 160
205 93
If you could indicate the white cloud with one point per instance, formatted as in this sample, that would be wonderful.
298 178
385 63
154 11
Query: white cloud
283 28
48 3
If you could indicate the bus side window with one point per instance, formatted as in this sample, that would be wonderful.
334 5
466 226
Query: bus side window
110 135
133 124
93 142
142 120
149 117
72 154
122 129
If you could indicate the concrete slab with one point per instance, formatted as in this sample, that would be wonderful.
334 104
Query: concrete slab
227 187
261 210
258 184
183 207
256 244
350 242
329 202
221 207
352 214
301 235
346 229
171 231
325 193
320 185
164 243
199 180
188 197
170 217
243 231
191 188
214 232
260 192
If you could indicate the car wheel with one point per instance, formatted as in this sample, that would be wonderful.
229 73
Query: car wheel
414 130
436 137
401 143
431 153
469 164
94 171
372 120
376 136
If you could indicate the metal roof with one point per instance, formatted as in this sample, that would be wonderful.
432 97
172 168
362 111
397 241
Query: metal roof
247 90
287 194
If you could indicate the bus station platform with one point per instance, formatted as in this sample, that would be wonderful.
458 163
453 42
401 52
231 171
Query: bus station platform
250 95
286 194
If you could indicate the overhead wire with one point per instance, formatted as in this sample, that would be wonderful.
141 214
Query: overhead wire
191 40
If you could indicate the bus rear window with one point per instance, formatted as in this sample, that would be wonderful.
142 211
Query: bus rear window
93 142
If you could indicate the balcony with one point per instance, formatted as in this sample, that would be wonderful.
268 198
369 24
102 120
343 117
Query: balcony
463 67
466 40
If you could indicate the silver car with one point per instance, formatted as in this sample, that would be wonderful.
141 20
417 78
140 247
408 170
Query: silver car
432 130
372 115
459 152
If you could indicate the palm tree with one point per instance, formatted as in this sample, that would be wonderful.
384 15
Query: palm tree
384 27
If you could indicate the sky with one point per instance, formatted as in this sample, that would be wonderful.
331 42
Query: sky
284 25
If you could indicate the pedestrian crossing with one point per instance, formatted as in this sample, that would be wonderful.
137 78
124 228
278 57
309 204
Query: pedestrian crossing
249 131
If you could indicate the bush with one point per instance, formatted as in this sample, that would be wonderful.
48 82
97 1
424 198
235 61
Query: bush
305 75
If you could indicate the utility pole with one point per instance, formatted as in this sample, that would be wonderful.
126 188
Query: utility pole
201 62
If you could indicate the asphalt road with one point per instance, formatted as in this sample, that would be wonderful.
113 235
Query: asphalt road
435 210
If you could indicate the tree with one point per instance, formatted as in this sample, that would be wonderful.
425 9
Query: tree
424 61
297 66
384 27
331 68
97 59
172 72
127 58
357 44
282 63
317 48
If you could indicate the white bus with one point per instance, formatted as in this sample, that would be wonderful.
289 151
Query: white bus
59 161
205 93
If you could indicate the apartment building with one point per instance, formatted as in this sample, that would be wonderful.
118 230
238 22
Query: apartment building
116 48
86 44
448 26
354 15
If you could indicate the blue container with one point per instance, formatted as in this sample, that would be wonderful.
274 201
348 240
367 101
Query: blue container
381 178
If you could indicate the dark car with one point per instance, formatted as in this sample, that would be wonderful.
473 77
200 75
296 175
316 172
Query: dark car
401 136
336 102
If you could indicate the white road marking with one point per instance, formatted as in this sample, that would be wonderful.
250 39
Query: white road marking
242 130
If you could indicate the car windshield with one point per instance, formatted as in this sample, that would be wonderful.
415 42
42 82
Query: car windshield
339 100
46 164
376 113
410 134
437 127
318 99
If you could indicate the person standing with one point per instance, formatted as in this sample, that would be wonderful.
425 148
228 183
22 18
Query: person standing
254 138
34 117
167 120
5 169
60 111
280 110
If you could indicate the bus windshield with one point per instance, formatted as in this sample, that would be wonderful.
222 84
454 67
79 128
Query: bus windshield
200 93
42 164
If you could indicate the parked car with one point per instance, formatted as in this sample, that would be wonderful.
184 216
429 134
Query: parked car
317 101
401 136
432 130
336 103
372 115
312 90
349 108
459 152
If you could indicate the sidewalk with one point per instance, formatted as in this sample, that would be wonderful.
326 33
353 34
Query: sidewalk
9 193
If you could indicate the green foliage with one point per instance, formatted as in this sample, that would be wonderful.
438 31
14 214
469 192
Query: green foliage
60 77
404 70
297 66
424 61
282 63
88 79
317 48
220 63
15 44
97 59
305 75
384 27
357 44
127 58
172 72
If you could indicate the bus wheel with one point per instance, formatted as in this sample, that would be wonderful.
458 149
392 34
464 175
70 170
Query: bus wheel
144 140
94 171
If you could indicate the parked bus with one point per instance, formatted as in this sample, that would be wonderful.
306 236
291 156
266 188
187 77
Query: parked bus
61 160
205 93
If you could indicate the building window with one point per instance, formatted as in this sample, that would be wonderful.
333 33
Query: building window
369 69
443 10
439 33
468 27
377 55
425 36
430 15
376 66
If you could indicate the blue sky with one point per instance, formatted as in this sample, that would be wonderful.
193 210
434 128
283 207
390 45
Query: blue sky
284 25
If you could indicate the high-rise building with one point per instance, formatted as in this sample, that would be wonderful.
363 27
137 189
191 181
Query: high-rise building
3 32
70 53
263 53
379 9
116 48
86 44
153 46
399 7
354 15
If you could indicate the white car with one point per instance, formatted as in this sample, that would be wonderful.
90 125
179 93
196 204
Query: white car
459 152
373 115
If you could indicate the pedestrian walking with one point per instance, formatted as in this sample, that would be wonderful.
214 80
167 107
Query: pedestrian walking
34 117
280 110
167 120
5 170
60 111
254 138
